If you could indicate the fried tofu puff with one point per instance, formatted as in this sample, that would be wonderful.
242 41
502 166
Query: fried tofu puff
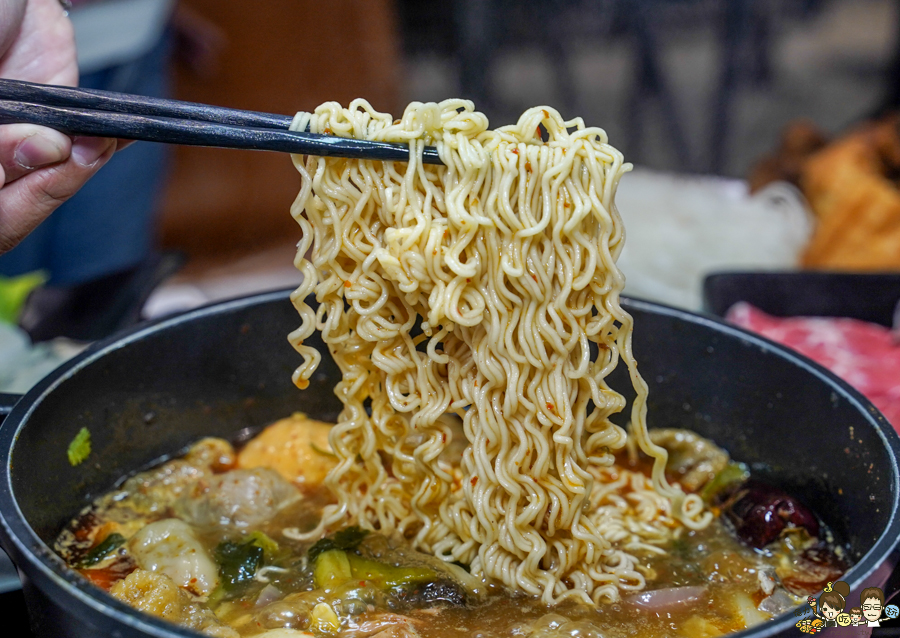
158 595
296 447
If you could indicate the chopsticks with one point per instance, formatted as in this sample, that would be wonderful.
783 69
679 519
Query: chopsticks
107 114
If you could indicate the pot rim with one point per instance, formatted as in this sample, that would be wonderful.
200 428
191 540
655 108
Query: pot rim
40 564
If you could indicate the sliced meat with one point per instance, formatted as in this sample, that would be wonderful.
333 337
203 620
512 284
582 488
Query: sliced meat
865 355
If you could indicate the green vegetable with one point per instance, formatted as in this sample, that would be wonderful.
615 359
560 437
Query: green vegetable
729 475
319 450
102 550
217 596
80 447
262 540
335 563
680 548
332 568
14 291
345 539
335 567
388 576
238 563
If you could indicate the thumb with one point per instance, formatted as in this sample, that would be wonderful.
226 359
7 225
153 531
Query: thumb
25 147
27 201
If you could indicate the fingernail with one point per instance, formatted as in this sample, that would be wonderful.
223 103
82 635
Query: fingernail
87 150
37 150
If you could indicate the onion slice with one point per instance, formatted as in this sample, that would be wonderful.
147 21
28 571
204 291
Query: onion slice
667 599
269 594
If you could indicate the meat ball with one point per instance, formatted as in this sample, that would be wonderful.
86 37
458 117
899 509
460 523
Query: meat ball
238 499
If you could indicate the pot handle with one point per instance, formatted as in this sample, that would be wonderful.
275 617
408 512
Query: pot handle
7 402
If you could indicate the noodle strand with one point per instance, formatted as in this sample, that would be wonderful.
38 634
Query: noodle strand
487 288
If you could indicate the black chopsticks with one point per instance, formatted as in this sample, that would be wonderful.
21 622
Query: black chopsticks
49 95
107 114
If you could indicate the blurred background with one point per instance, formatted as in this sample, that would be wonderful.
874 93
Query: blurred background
701 86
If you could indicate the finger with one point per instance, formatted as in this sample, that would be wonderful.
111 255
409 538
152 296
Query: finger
27 201
25 147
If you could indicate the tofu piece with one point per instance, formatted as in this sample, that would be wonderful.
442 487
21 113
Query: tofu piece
158 595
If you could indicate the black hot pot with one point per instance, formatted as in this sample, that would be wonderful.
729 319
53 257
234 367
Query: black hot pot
226 369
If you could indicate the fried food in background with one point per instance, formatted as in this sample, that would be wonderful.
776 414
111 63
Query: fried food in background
851 186
799 140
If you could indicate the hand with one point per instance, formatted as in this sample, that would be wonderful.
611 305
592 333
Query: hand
39 168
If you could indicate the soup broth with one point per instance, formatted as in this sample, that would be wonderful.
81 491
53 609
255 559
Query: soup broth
201 541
